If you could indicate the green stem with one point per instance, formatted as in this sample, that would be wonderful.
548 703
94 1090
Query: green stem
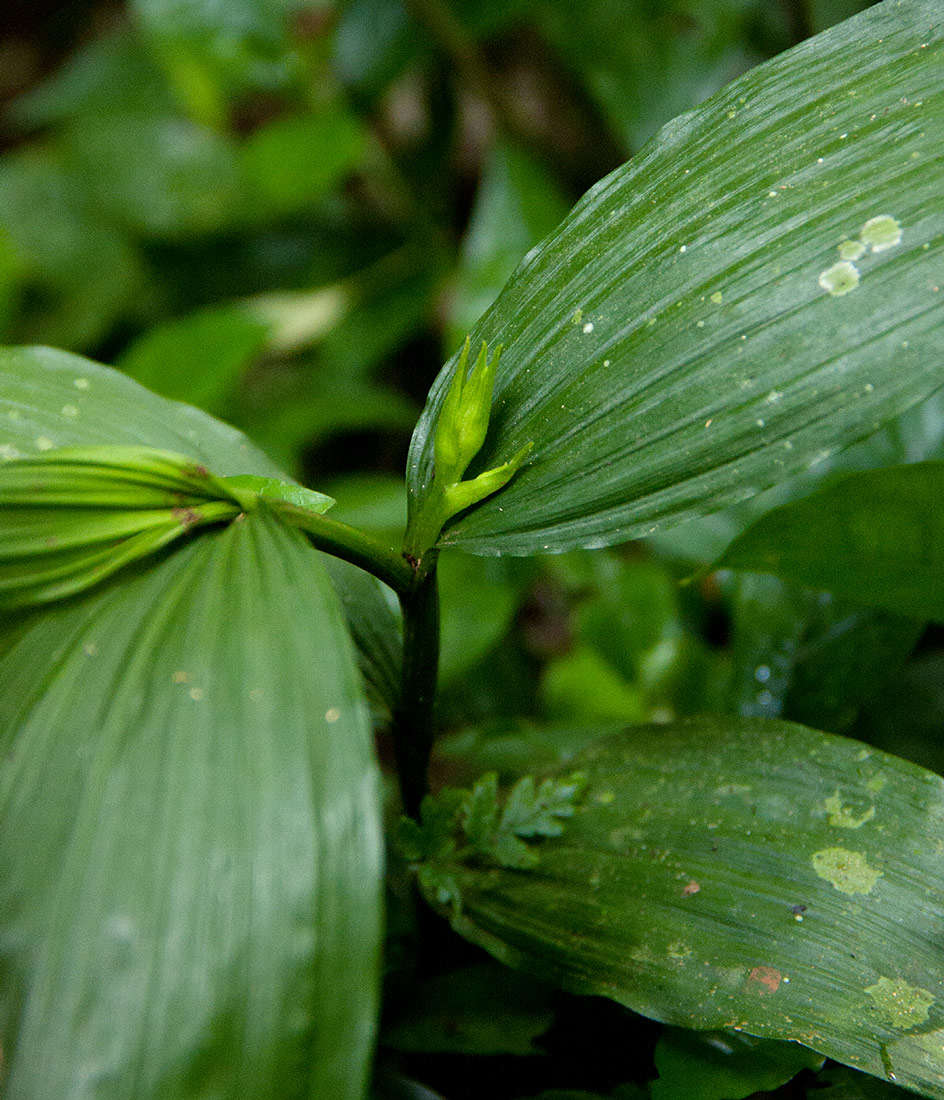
343 541
413 717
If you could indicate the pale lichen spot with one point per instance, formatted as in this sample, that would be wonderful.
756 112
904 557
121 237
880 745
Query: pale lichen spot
71 411
604 797
332 714
876 783
845 817
839 279
196 694
699 324
851 250
773 397
848 872
683 248
43 443
863 754
81 383
901 1004
606 362
90 649
180 677
881 233
717 297
577 317
678 950
8 452
587 328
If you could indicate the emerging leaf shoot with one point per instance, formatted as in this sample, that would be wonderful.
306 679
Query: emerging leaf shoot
460 433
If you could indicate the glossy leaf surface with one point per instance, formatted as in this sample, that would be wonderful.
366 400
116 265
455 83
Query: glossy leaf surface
51 399
697 330
879 539
742 874
196 910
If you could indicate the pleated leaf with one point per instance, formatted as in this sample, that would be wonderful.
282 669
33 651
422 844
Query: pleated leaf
71 517
876 537
190 855
51 399
743 874
760 285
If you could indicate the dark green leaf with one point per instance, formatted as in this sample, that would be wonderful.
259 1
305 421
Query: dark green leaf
724 1065
675 345
879 539
479 1010
644 63
373 621
190 846
905 718
802 655
742 874
840 1083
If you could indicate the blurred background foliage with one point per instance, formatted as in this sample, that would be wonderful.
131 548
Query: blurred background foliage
289 213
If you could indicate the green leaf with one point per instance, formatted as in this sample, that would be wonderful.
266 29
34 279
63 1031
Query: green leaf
190 853
199 358
293 161
479 597
724 1065
879 539
516 205
212 53
675 346
182 179
742 874
51 399
75 272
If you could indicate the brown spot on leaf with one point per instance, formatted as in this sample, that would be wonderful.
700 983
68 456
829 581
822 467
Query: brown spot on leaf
764 979
186 517
690 888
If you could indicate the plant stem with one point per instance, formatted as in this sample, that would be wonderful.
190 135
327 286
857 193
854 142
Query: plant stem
343 541
413 716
